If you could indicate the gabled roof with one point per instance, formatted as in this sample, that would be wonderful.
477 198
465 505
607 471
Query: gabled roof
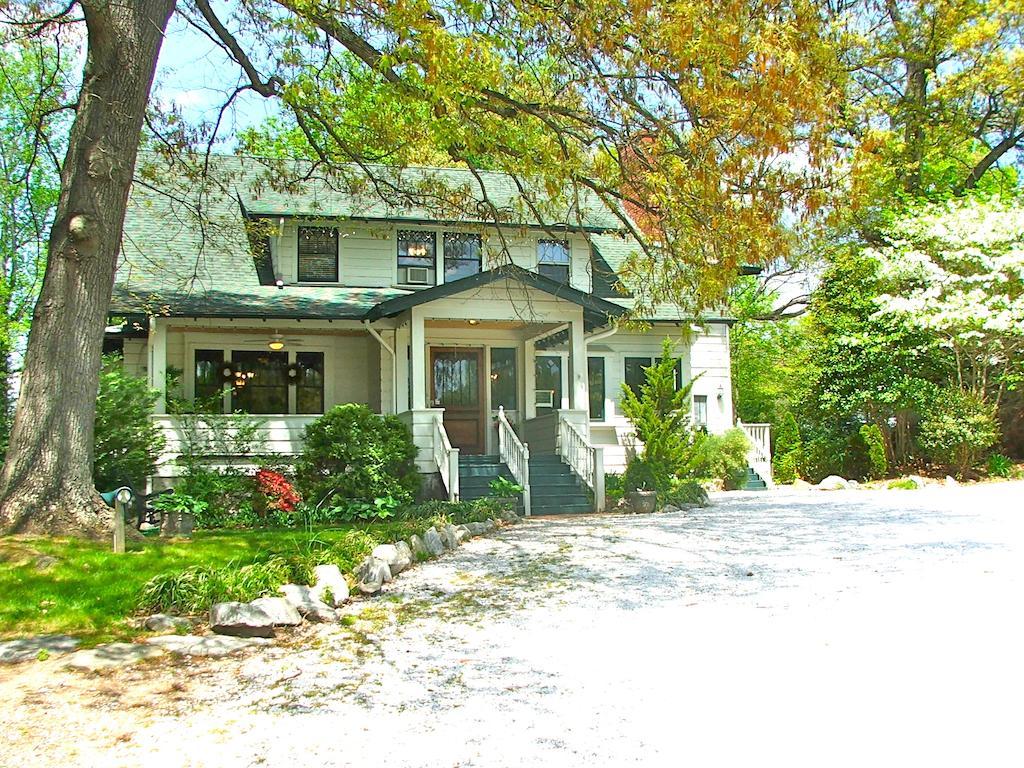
595 308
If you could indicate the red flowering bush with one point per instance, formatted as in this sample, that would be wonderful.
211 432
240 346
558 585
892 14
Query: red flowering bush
280 494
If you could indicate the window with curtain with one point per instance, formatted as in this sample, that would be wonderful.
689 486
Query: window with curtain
309 382
503 378
318 255
261 382
462 255
595 382
553 260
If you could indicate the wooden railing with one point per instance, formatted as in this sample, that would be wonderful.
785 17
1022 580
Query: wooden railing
447 459
760 455
516 456
586 460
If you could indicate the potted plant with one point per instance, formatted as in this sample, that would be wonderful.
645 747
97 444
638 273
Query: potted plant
178 513
639 479
505 493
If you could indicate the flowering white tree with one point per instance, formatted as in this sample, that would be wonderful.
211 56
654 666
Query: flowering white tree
957 270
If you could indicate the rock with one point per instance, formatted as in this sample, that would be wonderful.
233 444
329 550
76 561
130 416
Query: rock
477 529
950 482
161 622
801 484
301 598
419 549
508 515
372 574
432 541
398 556
448 537
207 645
669 509
918 480
462 533
833 483
38 647
45 562
241 620
281 612
329 578
853 483
111 656
492 525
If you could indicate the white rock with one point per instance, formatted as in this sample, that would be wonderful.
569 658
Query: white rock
419 549
398 556
206 645
833 483
449 538
241 620
432 541
111 656
311 609
281 612
477 529
462 533
372 574
950 481
801 484
329 577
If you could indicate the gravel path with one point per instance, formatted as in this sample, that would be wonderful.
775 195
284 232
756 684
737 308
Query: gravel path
845 628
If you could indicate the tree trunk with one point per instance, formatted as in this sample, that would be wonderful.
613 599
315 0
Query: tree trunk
915 113
46 485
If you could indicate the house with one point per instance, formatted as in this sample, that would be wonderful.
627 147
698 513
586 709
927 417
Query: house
501 347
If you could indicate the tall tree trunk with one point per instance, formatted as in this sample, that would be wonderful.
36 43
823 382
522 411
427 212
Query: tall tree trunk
46 485
915 113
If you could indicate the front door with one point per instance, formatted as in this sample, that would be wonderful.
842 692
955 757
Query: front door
456 387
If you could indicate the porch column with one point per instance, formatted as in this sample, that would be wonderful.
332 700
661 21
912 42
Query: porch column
529 379
417 364
402 367
156 368
579 393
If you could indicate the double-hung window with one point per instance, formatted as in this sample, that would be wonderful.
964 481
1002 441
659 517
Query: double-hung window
636 372
700 411
462 255
318 255
417 263
553 260
259 381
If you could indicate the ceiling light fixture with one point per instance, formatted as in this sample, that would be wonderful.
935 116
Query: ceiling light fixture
473 322
276 342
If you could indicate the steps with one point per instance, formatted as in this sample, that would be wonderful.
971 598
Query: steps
554 490
754 482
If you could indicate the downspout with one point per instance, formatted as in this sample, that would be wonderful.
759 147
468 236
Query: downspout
394 364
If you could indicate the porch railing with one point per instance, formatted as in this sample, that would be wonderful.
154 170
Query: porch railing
586 460
516 456
760 455
447 459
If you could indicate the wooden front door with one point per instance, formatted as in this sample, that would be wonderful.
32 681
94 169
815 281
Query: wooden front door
457 386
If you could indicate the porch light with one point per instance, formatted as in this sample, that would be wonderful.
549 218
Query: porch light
276 342
279 283
721 392
473 322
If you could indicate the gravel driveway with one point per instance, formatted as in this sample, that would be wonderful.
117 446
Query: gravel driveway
814 628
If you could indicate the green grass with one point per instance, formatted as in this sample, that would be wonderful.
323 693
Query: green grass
93 593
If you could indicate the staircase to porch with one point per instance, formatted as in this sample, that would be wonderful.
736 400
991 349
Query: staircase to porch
554 489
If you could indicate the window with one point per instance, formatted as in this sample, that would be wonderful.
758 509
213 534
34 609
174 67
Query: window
261 382
503 378
700 411
462 252
416 261
209 380
595 381
548 378
636 376
309 382
553 260
318 255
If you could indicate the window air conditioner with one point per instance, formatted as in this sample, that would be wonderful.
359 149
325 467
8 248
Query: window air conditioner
417 276
544 398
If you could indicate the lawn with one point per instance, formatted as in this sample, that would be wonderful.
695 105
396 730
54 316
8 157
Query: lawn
92 593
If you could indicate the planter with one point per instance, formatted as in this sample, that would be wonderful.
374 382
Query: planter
169 522
186 522
643 502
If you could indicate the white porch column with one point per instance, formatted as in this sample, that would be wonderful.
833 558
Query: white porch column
402 367
529 379
417 362
156 368
579 392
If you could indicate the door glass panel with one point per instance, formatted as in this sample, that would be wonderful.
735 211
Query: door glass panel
503 378
548 370
595 376
456 379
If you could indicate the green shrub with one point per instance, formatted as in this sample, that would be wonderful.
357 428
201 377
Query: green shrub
176 501
903 483
505 488
686 492
229 495
957 429
878 464
127 442
722 457
661 417
195 589
351 454
613 488
786 467
788 448
999 465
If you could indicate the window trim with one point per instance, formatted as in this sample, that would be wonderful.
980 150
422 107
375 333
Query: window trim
298 256
426 233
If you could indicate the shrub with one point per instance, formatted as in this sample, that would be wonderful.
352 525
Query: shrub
505 488
661 417
127 442
878 464
686 492
787 467
280 495
999 465
613 488
957 429
722 457
352 454
788 448
229 495
903 484
176 501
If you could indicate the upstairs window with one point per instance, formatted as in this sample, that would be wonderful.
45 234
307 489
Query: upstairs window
417 263
318 255
553 260
462 252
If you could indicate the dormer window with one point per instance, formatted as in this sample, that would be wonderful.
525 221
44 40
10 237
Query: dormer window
553 260
417 263
462 253
318 255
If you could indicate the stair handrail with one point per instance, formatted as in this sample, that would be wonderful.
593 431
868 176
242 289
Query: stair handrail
515 454
447 459
583 458
759 457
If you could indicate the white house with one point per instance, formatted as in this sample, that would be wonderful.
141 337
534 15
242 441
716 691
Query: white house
500 346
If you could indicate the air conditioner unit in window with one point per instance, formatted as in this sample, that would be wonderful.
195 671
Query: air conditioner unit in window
417 276
544 398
